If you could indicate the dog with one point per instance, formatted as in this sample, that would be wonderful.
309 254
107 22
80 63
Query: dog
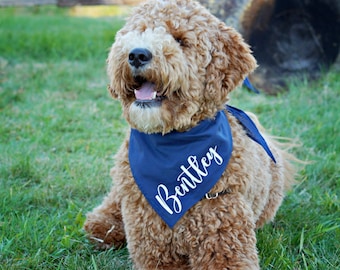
194 177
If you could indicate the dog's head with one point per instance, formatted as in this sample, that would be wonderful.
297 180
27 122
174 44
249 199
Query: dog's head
173 65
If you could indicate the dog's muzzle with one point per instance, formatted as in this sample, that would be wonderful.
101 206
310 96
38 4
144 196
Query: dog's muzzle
139 57
145 91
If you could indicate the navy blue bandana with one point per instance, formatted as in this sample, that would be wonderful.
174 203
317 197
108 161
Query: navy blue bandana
250 129
174 171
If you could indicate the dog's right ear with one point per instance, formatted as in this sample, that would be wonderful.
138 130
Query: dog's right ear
112 92
109 70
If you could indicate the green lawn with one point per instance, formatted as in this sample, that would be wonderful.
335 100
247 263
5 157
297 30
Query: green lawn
59 130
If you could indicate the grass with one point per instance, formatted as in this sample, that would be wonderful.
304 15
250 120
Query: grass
60 129
307 228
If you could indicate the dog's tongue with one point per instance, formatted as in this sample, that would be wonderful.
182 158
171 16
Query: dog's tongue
146 92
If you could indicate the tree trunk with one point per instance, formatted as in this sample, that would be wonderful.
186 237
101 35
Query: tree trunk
288 37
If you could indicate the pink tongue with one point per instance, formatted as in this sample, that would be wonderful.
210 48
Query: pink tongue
146 92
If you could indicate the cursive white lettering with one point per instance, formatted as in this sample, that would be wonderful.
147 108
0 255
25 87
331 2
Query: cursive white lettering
189 178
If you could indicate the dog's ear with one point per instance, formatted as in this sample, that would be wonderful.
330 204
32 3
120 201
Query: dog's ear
231 62
109 70
112 92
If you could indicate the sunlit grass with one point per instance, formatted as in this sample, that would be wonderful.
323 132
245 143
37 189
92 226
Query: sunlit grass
99 11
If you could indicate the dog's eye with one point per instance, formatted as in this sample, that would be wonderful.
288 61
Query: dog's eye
180 41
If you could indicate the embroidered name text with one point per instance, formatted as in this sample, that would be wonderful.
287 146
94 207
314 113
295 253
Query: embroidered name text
191 176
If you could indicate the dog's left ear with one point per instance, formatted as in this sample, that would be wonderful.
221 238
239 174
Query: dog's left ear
231 62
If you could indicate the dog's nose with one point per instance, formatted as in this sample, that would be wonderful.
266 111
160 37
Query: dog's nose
139 57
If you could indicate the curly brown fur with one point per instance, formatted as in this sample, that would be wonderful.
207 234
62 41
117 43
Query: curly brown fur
196 62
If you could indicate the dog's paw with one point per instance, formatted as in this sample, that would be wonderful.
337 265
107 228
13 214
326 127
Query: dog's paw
104 232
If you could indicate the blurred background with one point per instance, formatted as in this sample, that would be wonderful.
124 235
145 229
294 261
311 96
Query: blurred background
290 38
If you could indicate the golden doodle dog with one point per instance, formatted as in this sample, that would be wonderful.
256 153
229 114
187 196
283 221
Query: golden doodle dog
194 177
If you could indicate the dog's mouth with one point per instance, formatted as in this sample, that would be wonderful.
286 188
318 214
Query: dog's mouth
146 93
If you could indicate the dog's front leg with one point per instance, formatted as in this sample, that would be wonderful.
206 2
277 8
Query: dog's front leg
228 240
104 224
